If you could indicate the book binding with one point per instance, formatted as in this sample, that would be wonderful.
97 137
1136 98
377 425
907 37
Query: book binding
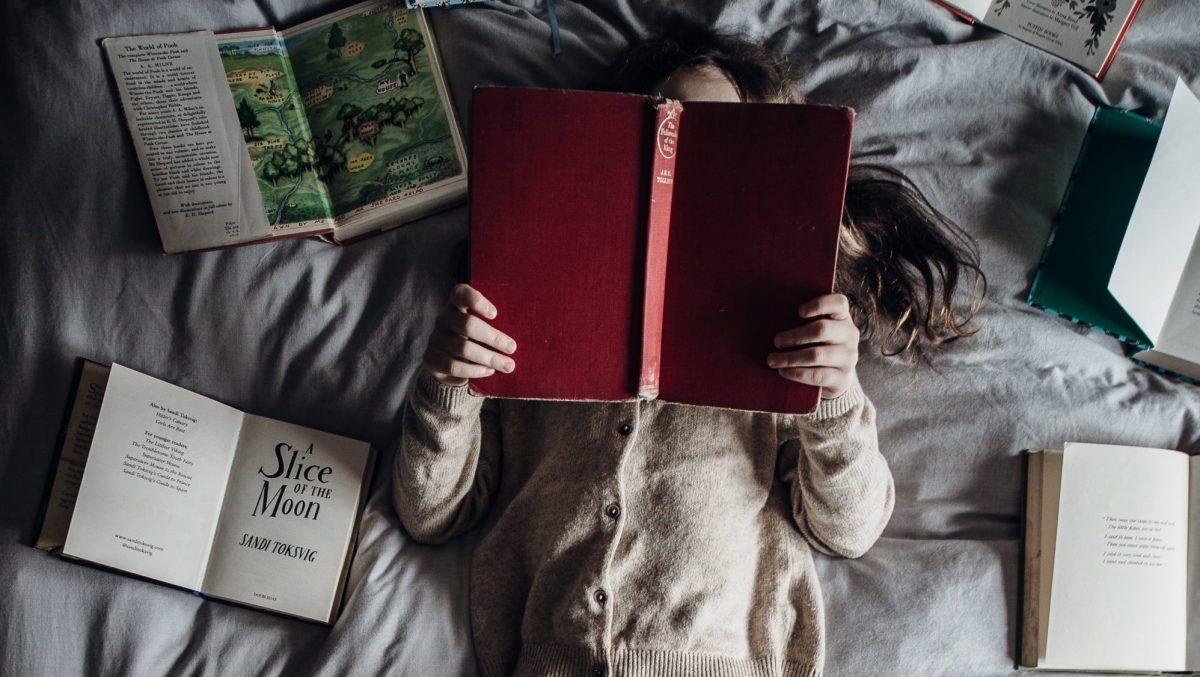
658 229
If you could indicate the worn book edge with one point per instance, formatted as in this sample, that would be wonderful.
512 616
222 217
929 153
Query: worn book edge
1031 561
57 505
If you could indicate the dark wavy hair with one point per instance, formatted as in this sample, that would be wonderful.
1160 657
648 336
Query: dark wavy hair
901 261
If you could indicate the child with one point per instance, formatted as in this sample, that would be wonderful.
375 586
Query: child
647 538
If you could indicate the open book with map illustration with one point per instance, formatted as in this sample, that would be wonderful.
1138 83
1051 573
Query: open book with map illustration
160 482
342 125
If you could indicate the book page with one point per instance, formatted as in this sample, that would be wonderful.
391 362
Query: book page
72 456
154 479
275 129
181 116
1117 600
1080 31
288 517
1193 578
1150 270
1179 339
383 127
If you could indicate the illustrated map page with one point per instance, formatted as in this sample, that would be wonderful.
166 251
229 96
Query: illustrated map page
275 129
380 128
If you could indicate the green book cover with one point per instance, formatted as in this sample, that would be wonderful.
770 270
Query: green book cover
1072 278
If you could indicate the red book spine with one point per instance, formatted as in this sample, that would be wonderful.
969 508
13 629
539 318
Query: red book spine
662 184
956 11
1112 53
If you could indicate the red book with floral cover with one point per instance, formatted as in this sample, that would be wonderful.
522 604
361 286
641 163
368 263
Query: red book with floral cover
640 247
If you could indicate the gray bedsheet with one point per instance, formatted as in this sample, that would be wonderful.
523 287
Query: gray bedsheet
330 337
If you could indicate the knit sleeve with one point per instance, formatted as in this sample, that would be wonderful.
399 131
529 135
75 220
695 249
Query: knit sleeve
447 467
841 488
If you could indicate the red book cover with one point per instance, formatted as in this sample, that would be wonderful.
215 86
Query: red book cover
558 236
755 218
634 246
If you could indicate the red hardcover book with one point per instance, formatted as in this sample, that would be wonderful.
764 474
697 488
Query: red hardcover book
642 247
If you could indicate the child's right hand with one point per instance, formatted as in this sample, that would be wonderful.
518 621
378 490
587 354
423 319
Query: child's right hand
463 346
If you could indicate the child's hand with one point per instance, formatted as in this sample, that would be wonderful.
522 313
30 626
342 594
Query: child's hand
826 349
463 346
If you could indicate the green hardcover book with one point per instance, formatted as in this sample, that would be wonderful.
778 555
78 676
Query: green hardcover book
1072 279
1121 257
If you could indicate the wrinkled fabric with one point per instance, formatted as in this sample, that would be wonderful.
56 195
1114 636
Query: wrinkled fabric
330 337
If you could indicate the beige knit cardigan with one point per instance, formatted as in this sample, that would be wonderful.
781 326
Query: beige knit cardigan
642 537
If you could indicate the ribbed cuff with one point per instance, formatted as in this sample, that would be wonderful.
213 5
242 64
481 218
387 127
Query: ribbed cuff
441 395
849 400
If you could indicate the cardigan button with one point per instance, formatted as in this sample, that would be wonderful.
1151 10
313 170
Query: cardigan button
613 511
601 596
598 671
625 429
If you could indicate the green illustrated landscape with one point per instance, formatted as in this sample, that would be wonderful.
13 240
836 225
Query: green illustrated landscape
378 125
276 131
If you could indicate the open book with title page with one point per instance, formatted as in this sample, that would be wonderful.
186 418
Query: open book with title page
342 126
160 482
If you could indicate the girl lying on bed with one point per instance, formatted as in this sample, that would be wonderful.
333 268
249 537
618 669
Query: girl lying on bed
651 538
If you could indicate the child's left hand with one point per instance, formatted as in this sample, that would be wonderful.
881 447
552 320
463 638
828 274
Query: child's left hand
825 349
